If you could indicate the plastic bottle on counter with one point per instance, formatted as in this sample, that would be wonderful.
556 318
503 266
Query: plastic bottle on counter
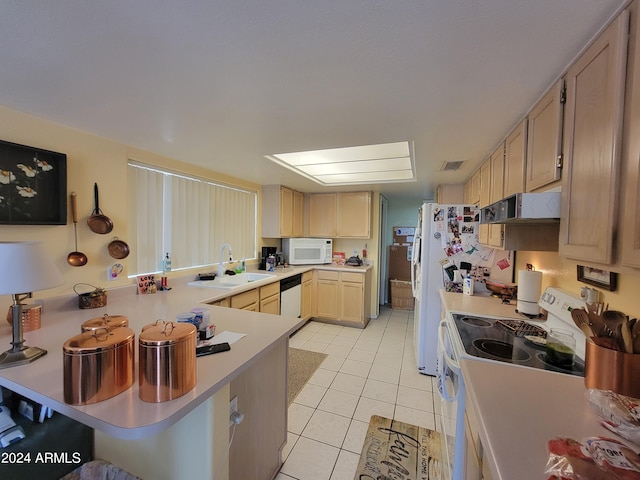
166 263
467 285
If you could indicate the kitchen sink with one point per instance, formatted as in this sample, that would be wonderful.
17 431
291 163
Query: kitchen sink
232 281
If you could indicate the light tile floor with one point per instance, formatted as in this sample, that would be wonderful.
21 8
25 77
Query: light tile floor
367 372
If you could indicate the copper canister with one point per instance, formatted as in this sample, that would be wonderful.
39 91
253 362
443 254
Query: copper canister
608 369
167 364
30 316
98 364
106 321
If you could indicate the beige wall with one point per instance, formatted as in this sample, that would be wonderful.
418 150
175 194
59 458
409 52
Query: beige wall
89 159
562 272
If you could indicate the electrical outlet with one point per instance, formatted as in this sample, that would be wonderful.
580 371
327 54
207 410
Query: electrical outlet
233 406
235 417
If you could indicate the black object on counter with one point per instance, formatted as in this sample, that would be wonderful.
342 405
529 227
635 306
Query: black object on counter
211 349
354 261
206 276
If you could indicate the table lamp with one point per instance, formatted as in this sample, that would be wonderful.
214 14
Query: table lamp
26 268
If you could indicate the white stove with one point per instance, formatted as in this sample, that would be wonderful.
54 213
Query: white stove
499 340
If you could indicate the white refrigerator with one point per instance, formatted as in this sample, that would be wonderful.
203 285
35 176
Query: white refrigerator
445 248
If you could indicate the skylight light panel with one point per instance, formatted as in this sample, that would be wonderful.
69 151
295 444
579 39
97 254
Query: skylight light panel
384 163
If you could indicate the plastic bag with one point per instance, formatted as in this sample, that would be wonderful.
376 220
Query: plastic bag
620 414
598 458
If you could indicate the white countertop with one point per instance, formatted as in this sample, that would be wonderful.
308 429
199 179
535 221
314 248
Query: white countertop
125 415
210 294
520 409
478 304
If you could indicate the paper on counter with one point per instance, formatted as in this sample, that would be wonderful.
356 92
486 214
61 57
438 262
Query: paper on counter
229 337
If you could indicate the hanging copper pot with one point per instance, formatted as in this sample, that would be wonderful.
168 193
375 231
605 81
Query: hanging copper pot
118 249
97 221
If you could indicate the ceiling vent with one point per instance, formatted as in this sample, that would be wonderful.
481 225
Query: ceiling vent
451 166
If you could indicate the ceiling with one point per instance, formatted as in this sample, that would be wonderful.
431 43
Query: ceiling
223 83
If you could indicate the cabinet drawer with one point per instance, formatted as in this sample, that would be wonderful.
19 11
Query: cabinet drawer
327 275
242 300
268 290
306 276
351 277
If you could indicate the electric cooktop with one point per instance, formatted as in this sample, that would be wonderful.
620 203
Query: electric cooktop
511 341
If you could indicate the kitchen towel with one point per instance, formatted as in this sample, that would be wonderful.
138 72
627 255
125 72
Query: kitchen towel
529 287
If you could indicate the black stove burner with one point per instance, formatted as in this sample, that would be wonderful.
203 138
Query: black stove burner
577 365
477 322
503 340
500 349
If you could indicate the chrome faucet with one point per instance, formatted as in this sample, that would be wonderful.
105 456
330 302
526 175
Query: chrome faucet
221 265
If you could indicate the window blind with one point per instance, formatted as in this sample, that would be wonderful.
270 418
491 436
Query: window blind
188 217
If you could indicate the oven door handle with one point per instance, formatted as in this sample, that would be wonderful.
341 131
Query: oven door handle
445 363
450 361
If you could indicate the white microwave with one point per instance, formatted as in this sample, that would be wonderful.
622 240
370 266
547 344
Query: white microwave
307 251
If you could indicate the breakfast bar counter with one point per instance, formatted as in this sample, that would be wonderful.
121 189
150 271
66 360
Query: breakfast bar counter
123 420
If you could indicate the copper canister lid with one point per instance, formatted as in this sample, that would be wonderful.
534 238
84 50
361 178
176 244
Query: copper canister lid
166 333
99 340
106 321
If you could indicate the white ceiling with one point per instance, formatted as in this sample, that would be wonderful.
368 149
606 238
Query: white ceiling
223 83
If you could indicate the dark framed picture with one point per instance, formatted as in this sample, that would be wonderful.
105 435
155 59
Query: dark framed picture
598 278
33 186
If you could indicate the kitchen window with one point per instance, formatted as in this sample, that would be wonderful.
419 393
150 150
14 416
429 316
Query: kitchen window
188 217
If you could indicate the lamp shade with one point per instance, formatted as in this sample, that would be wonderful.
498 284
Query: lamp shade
26 267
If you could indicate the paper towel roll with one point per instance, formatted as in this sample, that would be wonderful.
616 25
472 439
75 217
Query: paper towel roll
529 286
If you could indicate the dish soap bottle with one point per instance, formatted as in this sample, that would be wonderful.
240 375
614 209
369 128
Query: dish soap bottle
166 267
467 285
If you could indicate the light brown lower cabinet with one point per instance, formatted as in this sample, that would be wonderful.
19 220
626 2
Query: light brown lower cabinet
326 298
247 300
343 297
306 296
256 451
270 298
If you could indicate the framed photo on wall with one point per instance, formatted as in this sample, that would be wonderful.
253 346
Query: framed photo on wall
599 278
33 186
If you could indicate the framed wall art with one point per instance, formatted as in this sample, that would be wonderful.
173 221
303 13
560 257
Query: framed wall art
598 278
33 186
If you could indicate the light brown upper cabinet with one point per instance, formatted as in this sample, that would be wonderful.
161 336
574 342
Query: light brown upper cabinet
515 159
630 219
544 139
450 193
472 189
340 215
591 145
297 222
496 232
323 208
485 198
282 212
485 183
354 214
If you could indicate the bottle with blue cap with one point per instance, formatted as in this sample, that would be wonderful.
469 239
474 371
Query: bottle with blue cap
467 285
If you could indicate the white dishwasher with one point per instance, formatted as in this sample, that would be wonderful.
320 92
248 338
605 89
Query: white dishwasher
290 294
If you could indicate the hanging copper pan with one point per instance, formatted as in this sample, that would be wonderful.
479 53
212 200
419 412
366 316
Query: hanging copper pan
118 249
98 222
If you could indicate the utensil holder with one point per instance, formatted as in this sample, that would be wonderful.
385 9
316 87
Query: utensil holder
613 370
